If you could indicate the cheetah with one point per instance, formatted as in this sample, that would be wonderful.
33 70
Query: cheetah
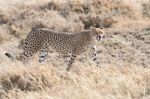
41 39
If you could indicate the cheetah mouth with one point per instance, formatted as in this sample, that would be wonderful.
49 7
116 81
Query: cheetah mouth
99 38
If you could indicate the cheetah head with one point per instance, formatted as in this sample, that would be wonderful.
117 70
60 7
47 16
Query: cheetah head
98 32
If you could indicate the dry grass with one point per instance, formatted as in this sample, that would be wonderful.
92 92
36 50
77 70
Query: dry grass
124 52
36 81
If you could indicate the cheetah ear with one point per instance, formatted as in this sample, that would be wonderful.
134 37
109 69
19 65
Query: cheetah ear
92 28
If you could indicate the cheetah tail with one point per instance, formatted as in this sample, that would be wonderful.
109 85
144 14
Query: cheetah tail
9 56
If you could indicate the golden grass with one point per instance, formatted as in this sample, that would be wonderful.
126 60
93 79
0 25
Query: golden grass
124 52
36 81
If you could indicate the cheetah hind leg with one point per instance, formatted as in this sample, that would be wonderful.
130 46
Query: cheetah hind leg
71 61
43 54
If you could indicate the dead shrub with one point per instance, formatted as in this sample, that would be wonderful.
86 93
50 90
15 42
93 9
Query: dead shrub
76 6
123 10
146 9
88 21
52 5
14 30
1 38
38 25
3 19
4 36
97 21
25 82
65 10
107 22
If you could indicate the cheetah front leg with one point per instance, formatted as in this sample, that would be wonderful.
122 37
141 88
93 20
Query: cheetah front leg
94 55
71 61
43 53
